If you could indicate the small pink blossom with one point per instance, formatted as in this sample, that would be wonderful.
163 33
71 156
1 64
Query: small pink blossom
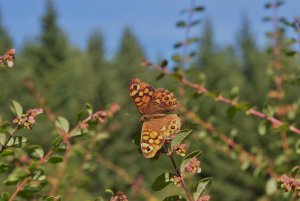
204 198
101 115
120 196
28 119
193 166
8 58
180 149
289 183
176 180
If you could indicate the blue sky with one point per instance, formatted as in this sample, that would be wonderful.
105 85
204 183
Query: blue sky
152 21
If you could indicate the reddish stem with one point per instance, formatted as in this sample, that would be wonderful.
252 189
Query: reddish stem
220 98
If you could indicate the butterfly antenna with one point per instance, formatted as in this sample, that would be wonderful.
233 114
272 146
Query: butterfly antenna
130 115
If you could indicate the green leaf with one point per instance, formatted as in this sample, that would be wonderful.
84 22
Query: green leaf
177 76
61 148
203 184
5 196
2 139
7 152
78 132
63 124
17 141
4 128
16 108
53 198
199 8
17 175
231 111
174 198
109 191
56 141
55 159
297 147
39 175
81 115
180 137
4 167
89 108
178 45
271 186
242 106
181 24
36 151
262 128
161 181
188 158
295 171
164 63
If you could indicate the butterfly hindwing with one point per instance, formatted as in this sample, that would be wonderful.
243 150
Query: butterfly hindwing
155 131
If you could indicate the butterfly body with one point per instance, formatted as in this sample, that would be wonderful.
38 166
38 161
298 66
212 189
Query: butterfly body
154 105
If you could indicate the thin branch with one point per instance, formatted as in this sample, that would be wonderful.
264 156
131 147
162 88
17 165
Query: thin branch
208 126
275 122
46 157
190 198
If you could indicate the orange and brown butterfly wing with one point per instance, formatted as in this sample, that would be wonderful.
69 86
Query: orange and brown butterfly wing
155 131
141 93
163 101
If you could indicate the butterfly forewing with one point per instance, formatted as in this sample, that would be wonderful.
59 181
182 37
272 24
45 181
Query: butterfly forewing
141 93
155 131
162 102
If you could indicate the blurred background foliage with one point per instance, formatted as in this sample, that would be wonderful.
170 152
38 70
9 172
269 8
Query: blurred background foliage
69 77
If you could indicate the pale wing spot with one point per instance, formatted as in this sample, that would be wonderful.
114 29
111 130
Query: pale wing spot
145 137
137 99
160 137
141 93
133 93
151 93
151 141
163 128
153 134
146 91
157 141
157 101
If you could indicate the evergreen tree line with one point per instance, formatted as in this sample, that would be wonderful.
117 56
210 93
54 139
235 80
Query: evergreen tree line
69 77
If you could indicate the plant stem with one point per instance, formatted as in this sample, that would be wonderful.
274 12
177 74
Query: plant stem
190 198
18 189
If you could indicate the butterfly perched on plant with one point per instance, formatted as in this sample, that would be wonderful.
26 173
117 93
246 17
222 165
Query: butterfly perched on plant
154 105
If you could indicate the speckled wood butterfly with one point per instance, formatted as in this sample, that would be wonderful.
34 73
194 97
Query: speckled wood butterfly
154 106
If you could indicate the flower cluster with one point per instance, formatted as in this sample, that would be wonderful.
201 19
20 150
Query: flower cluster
101 115
28 119
176 180
289 183
193 166
8 58
119 196
204 198
180 149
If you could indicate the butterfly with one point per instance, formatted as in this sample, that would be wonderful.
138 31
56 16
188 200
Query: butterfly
154 105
